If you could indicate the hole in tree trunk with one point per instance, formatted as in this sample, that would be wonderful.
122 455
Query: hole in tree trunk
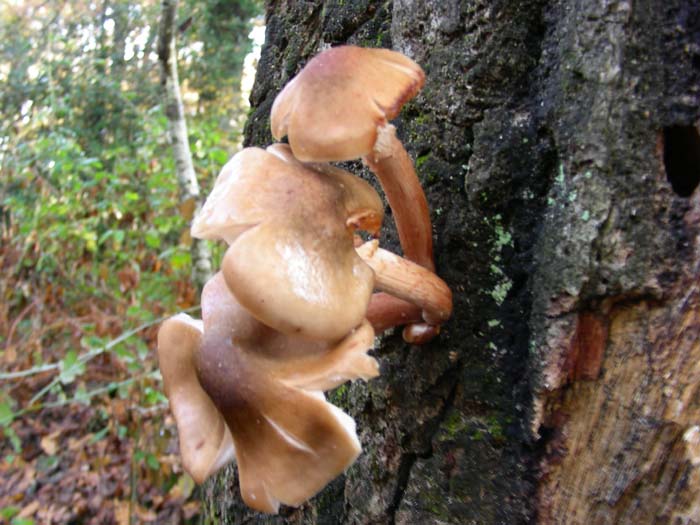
682 158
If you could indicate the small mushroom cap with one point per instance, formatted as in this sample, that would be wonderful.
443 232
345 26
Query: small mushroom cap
302 444
291 262
332 108
244 194
256 185
343 361
205 440
289 443
364 206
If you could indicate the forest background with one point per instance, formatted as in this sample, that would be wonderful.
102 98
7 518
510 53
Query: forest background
557 142
95 247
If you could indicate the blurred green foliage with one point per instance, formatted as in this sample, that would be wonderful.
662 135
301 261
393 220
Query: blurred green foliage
87 185
93 240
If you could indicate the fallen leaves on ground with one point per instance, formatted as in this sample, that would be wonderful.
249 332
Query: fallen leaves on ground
109 459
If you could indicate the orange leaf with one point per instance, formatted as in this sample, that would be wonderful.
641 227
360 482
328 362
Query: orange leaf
187 208
186 237
49 444
29 510
121 512
145 514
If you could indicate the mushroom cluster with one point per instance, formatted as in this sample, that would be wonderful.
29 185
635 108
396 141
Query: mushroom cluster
299 298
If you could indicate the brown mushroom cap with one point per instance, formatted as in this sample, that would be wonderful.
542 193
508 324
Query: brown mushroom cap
297 361
289 442
365 209
332 108
205 440
291 261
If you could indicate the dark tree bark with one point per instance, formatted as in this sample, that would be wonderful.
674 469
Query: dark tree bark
558 146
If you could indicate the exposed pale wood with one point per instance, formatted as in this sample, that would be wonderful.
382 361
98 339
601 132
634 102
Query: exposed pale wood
627 443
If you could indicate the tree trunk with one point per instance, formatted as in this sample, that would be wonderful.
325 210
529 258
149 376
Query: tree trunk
120 16
559 149
177 128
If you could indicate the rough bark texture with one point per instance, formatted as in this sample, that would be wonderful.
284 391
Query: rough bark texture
177 129
565 388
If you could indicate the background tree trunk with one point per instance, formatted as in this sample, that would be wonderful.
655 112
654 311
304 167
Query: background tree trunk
177 128
559 149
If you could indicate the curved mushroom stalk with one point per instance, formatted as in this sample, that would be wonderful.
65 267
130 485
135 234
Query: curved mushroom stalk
410 282
394 168
338 107
386 311
289 443
205 441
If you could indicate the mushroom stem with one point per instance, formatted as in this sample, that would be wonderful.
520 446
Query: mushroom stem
406 280
386 311
420 333
393 167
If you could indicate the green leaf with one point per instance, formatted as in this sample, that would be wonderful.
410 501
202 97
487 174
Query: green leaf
90 341
152 239
123 353
142 349
153 396
219 156
91 162
123 391
14 439
9 512
179 259
134 367
139 312
106 235
47 463
22 521
99 435
152 461
7 416
70 367
81 395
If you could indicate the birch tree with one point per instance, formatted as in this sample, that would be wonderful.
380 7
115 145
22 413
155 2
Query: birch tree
177 128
